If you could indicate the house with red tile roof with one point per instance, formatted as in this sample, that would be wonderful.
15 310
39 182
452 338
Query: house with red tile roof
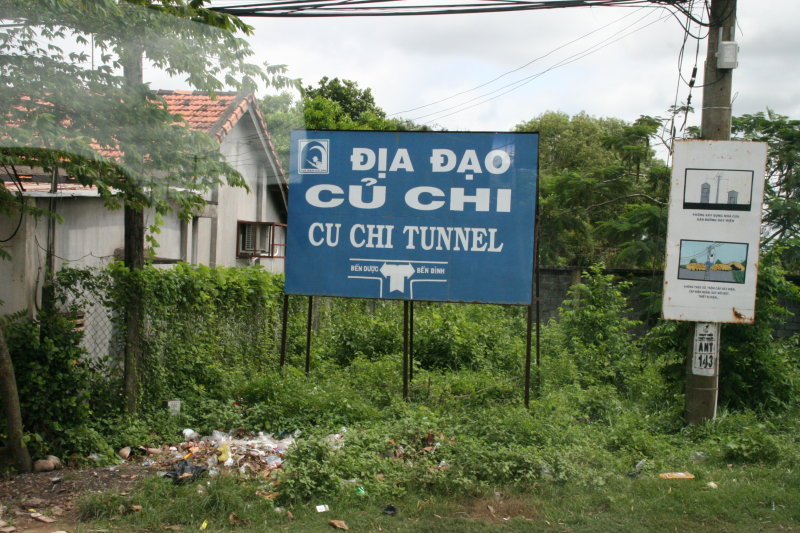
236 227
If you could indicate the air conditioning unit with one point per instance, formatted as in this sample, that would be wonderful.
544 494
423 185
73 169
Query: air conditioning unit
259 239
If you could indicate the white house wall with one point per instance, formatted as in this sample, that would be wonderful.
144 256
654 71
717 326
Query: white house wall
243 149
19 275
90 234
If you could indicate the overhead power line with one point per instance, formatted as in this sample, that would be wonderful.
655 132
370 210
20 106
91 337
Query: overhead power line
487 97
384 8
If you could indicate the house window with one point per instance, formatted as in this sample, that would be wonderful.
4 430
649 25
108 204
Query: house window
261 239
733 197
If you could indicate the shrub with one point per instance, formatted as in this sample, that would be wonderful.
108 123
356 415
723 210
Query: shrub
53 376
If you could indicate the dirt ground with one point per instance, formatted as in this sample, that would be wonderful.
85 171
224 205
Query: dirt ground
55 495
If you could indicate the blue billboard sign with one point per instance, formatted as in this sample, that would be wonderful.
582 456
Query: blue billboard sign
434 216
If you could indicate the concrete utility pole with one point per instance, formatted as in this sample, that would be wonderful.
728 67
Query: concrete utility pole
701 391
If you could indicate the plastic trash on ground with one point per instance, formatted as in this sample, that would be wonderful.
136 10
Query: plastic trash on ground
184 471
190 434
676 475
390 510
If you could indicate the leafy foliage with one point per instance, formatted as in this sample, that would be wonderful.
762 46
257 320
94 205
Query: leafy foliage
595 334
782 183
607 399
591 170
53 376
233 310
83 117
333 104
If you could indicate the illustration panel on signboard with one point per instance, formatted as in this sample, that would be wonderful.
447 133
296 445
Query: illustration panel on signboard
721 262
718 189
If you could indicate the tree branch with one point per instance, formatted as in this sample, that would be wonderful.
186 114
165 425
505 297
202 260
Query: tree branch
638 195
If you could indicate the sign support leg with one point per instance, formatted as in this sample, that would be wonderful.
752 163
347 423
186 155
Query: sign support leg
411 342
528 357
308 333
405 349
284 325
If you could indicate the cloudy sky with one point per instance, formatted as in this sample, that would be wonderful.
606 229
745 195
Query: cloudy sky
489 72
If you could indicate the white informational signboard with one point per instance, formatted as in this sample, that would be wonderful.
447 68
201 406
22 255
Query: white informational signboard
713 231
705 353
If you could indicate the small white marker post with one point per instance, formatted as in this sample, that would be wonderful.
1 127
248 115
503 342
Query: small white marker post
705 355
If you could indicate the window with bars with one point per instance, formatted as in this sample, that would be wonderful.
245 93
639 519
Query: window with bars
261 239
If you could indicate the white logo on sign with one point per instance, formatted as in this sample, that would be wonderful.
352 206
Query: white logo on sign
313 156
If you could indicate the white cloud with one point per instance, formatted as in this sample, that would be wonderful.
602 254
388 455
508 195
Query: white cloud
413 61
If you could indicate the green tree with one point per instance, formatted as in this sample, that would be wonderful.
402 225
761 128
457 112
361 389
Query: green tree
354 103
332 105
602 191
781 227
71 114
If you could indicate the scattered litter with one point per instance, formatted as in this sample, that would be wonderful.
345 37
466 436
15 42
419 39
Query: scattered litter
637 469
339 524
184 471
676 475
236 520
322 508
360 491
224 452
698 457
43 465
336 440
204 525
42 518
124 452
390 510
190 434
174 407
712 485
56 462
33 502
